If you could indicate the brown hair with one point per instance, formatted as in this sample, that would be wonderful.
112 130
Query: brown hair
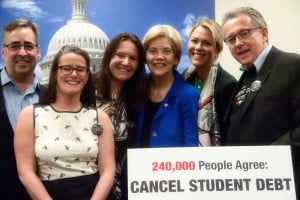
134 91
20 23
87 96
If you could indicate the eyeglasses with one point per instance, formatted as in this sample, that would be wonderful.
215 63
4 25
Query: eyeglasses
241 35
156 52
16 46
67 69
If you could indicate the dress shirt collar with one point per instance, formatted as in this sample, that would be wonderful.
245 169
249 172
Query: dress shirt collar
5 79
260 59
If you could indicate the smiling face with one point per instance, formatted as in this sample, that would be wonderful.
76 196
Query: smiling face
201 48
73 83
160 57
248 49
124 62
20 62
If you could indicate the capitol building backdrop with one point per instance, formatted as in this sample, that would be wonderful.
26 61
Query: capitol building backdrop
78 31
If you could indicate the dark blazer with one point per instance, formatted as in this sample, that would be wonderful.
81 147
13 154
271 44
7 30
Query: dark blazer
272 114
224 87
10 186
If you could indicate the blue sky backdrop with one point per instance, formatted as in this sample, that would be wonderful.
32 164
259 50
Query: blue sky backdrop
111 16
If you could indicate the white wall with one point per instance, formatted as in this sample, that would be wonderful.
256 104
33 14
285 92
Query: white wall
282 17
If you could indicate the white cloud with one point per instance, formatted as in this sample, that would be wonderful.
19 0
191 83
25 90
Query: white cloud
20 8
189 21
57 19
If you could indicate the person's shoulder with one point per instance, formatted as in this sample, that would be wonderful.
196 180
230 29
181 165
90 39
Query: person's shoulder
102 114
286 63
293 57
29 108
27 111
188 91
290 56
223 75
183 85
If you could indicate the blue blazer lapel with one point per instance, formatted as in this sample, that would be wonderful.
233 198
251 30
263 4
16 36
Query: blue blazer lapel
172 93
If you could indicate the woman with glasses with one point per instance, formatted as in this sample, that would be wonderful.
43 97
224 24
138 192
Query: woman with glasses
64 145
120 92
169 116
215 85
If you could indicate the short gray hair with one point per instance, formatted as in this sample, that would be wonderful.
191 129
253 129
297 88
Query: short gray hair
20 23
254 14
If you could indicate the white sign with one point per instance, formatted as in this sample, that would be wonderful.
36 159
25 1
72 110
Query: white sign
217 173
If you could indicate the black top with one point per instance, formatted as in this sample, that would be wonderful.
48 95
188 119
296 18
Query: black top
151 109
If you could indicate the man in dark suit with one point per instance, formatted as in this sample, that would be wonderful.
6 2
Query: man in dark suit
265 106
19 88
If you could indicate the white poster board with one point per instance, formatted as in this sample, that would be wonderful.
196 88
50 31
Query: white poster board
218 173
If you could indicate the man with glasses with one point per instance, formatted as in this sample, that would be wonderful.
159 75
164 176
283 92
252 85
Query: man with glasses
19 88
265 106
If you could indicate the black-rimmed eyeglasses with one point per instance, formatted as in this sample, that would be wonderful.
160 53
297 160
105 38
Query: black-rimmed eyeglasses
16 46
67 69
241 35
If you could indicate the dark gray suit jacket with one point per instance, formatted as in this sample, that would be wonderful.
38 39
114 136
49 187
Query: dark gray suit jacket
272 114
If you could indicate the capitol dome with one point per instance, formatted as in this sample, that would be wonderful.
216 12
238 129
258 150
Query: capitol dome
80 32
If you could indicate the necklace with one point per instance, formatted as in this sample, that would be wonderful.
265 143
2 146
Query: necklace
198 85
76 108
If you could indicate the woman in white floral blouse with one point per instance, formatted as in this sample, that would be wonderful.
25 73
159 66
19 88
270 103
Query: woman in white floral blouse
64 146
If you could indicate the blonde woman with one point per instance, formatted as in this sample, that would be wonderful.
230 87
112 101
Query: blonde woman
213 82
169 116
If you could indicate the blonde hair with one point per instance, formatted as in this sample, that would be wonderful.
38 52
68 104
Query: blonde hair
164 30
215 30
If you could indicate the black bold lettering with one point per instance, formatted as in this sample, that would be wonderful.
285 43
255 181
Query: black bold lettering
269 184
260 184
193 186
287 182
133 188
278 183
163 186
219 185
172 186
144 187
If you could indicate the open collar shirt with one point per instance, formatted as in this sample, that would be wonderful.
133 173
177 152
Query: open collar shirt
15 100
260 59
